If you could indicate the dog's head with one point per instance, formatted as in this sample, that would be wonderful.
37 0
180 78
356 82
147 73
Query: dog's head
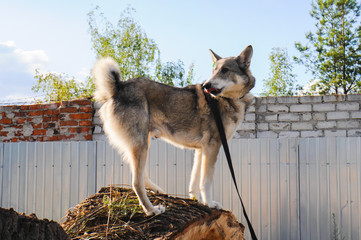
231 76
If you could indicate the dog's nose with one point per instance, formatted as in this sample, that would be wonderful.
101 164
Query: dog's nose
207 85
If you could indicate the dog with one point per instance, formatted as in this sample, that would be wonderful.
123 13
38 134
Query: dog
135 110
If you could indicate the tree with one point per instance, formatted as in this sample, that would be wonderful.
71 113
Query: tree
281 81
128 44
173 74
59 87
333 52
136 53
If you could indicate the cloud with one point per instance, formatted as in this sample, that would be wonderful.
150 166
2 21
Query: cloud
17 68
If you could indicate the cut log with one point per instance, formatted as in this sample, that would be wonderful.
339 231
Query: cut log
15 226
114 213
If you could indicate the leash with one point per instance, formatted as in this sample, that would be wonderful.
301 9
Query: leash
213 103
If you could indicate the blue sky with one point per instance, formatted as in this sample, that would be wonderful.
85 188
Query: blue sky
53 35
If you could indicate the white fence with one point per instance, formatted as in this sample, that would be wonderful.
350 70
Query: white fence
292 188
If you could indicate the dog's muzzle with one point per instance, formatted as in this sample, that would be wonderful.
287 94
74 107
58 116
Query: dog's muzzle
209 89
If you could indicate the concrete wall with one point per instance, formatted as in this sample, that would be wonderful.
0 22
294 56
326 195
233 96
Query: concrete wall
306 116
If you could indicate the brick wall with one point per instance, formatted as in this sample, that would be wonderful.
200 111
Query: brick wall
268 117
306 116
65 121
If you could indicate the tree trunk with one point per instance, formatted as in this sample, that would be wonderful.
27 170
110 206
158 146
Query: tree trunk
114 213
15 226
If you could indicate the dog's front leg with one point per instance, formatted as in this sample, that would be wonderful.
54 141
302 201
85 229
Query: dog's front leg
209 158
196 174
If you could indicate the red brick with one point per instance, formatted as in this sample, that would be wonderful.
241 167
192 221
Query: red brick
86 109
46 119
80 130
3 114
88 137
12 107
49 125
36 113
20 120
69 123
68 109
80 116
37 125
39 139
39 132
20 114
81 102
86 129
36 107
53 138
6 121
14 139
55 118
4 133
51 112
74 130
24 107
85 123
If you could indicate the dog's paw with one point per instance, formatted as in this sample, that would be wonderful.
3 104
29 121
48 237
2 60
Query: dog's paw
192 196
156 210
215 205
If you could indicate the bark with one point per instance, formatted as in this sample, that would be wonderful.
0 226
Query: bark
114 213
15 226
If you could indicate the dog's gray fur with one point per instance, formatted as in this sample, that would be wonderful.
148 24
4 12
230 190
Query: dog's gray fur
137 109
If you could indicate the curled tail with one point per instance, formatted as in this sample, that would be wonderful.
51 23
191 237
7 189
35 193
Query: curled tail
107 78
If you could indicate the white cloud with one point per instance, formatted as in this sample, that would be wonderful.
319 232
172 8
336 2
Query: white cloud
19 60
17 68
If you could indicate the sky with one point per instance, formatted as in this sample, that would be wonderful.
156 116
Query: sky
53 35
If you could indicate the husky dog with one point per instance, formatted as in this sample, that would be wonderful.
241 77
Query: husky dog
137 109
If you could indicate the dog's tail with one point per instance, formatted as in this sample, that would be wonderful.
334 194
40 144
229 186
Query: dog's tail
107 78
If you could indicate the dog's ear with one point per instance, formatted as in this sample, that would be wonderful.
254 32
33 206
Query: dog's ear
244 59
215 57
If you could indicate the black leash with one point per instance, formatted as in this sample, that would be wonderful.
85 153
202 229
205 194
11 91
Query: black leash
213 103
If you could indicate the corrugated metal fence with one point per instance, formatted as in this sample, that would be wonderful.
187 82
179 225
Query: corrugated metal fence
292 188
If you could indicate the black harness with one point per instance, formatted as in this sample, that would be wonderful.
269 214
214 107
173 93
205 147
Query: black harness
213 104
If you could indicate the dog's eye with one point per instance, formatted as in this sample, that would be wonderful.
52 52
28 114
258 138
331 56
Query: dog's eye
224 70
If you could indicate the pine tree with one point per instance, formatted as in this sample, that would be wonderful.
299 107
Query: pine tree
333 52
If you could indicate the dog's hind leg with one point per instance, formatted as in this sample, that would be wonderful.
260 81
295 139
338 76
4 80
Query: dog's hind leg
138 159
152 186
196 174
209 158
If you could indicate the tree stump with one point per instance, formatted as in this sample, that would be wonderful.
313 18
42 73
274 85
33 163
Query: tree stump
114 213
15 226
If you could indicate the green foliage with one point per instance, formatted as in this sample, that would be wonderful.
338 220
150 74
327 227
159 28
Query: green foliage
119 207
281 81
59 87
128 44
136 53
173 74
333 52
